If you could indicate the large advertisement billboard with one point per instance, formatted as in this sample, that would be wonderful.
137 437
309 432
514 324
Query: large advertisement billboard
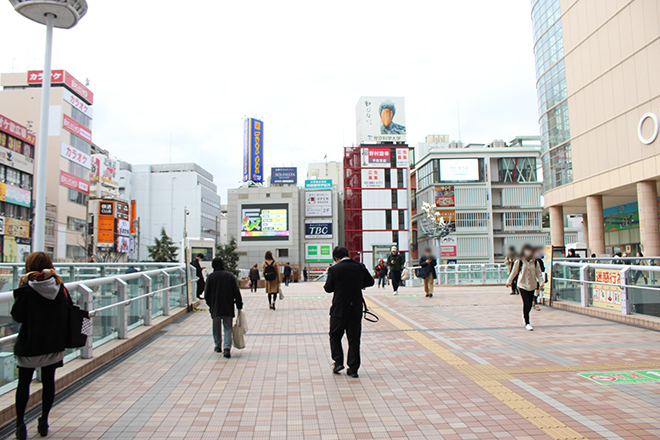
265 222
444 196
459 170
318 203
284 175
35 77
253 150
318 229
381 119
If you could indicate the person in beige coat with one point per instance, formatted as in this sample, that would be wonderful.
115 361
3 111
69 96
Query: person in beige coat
527 272
271 271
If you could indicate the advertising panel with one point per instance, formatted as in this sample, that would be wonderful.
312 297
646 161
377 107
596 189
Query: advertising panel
622 217
402 158
376 157
123 244
547 262
122 211
447 251
17 130
253 150
373 178
318 203
17 228
284 175
381 119
133 216
316 184
2 225
444 196
77 103
123 227
107 170
318 228
15 160
265 222
318 253
106 224
75 155
607 296
35 77
74 182
10 250
459 170
76 128
14 194
94 171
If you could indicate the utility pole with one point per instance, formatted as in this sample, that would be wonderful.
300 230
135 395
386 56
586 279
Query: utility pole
185 258
216 230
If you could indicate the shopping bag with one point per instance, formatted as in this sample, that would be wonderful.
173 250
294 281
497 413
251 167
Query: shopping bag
243 320
238 332
281 294
79 326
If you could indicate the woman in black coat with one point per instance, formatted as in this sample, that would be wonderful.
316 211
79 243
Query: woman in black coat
41 305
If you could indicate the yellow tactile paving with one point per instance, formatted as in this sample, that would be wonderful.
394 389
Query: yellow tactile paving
487 377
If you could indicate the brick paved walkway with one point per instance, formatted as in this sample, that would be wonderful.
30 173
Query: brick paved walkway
457 366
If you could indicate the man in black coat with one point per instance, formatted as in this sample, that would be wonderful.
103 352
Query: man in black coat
346 279
221 293
427 263
199 271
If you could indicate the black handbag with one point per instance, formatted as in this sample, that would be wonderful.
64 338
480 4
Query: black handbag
79 325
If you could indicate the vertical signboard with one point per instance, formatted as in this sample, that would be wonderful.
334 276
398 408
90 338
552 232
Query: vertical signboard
318 203
133 215
106 224
373 178
253 150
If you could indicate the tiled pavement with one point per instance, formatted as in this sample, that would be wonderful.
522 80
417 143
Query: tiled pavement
457 366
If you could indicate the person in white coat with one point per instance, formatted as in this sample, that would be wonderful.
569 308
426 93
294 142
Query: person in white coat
527 271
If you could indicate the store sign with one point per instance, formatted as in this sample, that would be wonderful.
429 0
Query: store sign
123 244
402 158
74 182
132 216
447 251
77 103
76 128
16 160
319 253
105 171
106 225
318 184
14 194
75 155
253 150
376 157
373 178
444 196
284 175
318 229
123 211
17 228
655 128
94 172
123 227
608 294
35 77
16 130
318 203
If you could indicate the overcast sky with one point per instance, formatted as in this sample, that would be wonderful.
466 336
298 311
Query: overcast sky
162 70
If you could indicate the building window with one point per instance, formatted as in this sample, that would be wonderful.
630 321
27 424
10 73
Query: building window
517 169
80 117
211 202
50 251
50 227
522 221
471 221
26 181
282 253
2 173
78 197
75 252
428 174
75 224
209 231
208 216
80 144
78 170
13 177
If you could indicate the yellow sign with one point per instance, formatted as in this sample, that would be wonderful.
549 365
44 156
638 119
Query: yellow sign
607 296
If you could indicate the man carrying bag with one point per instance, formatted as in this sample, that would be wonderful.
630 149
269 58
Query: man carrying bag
221 294
346 279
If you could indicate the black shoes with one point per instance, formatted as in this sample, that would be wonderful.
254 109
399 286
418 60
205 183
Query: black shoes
42 427
21 431
217 350
351 373
272 306
337 368
227 353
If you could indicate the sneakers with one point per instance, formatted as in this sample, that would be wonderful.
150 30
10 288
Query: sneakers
396 292
529 327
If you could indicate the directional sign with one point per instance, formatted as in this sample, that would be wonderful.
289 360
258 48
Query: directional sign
624 377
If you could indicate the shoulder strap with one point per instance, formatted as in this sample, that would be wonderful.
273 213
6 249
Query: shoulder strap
369 316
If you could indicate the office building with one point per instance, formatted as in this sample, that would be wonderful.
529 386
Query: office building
597 66
329 170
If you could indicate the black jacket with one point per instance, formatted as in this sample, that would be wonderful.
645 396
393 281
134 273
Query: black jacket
428 268
221 292
254 274
287 270
43 322
347 279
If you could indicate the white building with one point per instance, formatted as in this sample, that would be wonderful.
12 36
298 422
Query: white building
327 170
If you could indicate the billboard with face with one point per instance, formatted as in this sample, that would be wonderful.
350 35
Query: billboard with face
381 119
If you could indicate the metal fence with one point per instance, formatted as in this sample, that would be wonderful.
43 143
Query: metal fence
117 302
479 273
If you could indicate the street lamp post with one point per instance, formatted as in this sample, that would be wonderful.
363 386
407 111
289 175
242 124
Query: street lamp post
63 14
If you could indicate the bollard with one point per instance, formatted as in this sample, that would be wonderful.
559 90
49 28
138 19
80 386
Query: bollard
166 294
87 297
122 319
147 289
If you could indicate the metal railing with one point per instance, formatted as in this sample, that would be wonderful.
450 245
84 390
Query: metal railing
116 303
472 274
627 288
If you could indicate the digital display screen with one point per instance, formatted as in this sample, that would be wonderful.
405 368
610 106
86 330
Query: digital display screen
265 222
459 170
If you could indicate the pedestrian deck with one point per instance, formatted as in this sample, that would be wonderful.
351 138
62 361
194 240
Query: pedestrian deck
457 366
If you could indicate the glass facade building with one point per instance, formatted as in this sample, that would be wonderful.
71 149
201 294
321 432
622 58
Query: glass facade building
552 95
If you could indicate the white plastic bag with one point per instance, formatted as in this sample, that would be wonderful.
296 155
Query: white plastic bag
239 330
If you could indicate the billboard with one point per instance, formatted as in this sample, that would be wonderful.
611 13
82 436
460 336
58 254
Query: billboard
76 128
35 77
20 162
104 170
133 216
373 178
402 158
376 157
459 170
15 129
74 182
381 119
608 294
265 222
318 229
75 155
123 244
318 184
284 175
253 150
318 203
444 196
318 253
14 194
106 224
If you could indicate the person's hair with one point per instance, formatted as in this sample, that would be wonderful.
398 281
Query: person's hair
428 249
254 265
39 266
200 256
287 263
640 254
618 254
218 264
512 249
339 252
269 255
593 255
527 248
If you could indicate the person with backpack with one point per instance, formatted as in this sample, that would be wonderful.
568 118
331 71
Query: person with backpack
41 306
271 271
527 272
381 273
539 292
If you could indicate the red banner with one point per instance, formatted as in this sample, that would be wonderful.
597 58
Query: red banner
63 77
77 129
74 182
16 130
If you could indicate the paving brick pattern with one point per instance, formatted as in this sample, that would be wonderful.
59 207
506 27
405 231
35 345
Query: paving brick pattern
457 366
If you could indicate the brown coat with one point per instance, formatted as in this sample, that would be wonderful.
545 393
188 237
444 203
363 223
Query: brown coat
272 286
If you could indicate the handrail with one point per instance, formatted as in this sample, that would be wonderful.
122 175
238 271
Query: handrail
140 264
130 300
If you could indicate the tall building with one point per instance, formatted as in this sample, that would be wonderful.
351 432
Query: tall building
331 170
489 194
597 66
69 152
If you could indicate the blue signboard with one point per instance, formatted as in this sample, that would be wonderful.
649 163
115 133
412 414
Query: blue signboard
318 184
253 150
284 175
318 229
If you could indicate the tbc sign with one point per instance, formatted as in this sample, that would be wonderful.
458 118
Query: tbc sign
318 229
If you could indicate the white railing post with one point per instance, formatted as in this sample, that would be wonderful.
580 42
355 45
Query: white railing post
87 296
122 312
456 274
166 294
483 274
147 289
584 287
183 299
626 303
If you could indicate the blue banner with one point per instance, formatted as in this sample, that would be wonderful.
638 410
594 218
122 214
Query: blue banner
253 150
284 175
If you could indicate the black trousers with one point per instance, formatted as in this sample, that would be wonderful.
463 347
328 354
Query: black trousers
200 287
351 324
528 301
287 278
23 391
253 285
514 286
396 279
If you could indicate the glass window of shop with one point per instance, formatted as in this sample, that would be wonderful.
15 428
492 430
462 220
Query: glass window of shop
517 169
50 227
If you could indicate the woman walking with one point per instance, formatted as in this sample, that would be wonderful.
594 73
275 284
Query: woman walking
271 271
527 272
41 305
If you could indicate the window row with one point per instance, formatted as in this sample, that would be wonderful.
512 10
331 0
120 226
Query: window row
210 202
15 177
15 211
16 145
